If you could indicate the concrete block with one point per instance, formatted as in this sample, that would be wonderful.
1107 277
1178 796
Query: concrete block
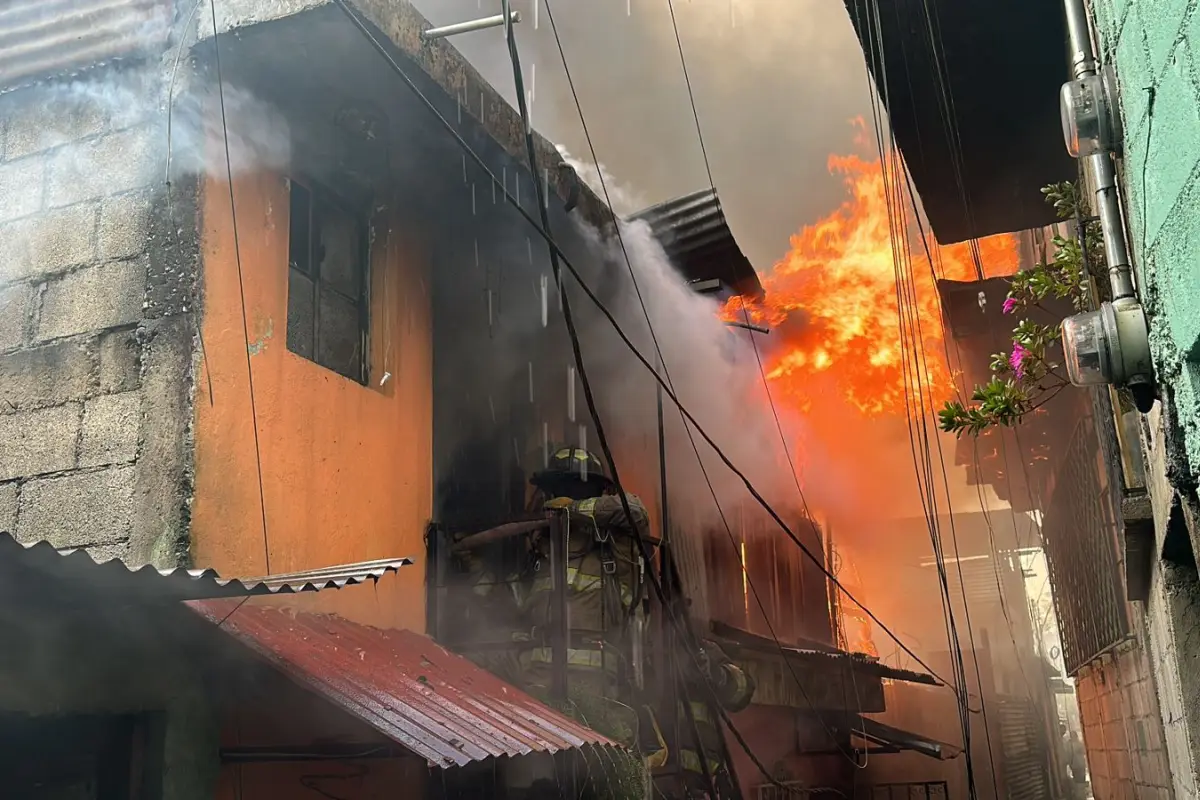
79 510
8 507
16 303
21 188
38 442
160 531
47 243
107 552
48 117
93 299
113 164
45 376
1172 141
120 362
1163 21
110 429
1175 260
124 227
1132 64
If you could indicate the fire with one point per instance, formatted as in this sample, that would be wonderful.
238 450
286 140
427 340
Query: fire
831 301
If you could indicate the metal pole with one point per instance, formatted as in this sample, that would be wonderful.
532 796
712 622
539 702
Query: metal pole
434 579
750 327
1104 177
558 610
468 27
1083 60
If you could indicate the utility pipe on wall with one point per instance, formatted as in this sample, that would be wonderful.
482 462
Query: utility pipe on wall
1104 176
1110 345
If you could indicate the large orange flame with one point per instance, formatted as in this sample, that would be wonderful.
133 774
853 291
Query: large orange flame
831 301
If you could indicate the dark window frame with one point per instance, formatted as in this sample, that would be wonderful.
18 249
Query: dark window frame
317 195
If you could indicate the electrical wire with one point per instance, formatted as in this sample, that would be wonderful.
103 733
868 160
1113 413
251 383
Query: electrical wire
237 252
959 360
616 326
691 95
662 358
568 318
915 375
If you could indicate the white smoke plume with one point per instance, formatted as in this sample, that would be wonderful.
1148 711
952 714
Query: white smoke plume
712 368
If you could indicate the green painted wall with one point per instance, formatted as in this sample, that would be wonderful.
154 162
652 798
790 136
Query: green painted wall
1154 46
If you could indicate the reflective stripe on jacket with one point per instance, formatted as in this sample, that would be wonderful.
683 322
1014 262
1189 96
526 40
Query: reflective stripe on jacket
582 582
592 659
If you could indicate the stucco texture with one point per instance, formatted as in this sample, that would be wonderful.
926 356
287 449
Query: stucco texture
1154 48
345 468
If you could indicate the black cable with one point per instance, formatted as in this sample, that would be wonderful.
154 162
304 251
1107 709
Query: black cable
770 399
585 382
909 324
666 373
624 337
691 95
929 257
237 252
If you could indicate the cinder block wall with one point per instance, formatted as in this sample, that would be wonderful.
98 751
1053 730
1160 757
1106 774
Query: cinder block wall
97 290
1154 48
1122 730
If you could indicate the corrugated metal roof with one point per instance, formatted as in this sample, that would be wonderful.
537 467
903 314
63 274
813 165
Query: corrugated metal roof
49 38
696 237
437 704
818 654
38 567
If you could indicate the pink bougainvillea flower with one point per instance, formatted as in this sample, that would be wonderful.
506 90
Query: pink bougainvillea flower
1017 360
1010 303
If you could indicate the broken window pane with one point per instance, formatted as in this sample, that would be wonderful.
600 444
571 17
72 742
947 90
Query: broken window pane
300 227
327 279
338 246
301 324
339 335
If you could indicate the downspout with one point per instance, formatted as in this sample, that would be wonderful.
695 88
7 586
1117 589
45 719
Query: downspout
1109 345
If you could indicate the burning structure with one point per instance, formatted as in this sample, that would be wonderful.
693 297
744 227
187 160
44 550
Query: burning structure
264 315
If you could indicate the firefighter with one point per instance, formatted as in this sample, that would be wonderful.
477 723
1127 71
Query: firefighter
604 574
497 614
733 689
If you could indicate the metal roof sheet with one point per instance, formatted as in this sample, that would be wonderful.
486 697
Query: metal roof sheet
696 237
26 568
51 38
818 654
437 704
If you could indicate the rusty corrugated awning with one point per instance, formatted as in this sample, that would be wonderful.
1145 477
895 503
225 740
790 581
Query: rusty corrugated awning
406 686
67 577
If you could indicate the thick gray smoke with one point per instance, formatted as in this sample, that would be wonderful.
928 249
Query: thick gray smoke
712 368
776 84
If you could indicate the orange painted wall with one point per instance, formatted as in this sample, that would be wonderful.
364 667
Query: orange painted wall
346 469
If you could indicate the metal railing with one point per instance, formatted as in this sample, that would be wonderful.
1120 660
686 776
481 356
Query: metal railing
1082 534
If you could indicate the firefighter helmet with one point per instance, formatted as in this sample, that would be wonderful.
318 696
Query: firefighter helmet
574 465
